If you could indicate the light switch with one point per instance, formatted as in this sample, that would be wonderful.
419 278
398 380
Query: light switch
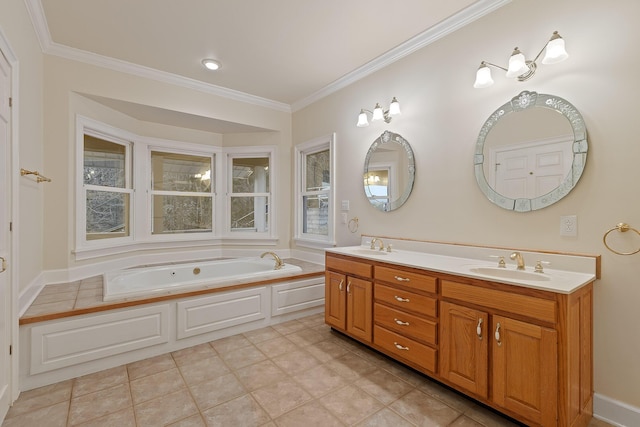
345 205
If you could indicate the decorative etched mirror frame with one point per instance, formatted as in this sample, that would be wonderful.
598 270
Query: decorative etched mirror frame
410 170
526 100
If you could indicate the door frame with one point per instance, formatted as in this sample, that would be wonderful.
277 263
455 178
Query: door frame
12 58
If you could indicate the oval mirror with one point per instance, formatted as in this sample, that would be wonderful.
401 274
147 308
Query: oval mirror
389 172
531 152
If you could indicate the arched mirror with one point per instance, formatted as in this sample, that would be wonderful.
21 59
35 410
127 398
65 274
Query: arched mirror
531 152
389 171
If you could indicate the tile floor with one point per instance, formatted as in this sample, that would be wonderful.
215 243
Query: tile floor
298 373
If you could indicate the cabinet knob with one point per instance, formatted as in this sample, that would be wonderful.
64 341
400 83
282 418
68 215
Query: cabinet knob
400 347
479 328
400 299
402 279
497 334
400 322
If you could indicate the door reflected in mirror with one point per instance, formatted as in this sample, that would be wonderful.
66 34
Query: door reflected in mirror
389 172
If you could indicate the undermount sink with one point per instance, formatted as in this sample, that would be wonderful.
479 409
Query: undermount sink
503 273
364 251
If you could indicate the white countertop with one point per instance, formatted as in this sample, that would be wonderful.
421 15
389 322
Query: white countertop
554 280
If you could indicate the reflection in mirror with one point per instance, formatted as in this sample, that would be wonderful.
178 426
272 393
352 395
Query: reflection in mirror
389 171
530 152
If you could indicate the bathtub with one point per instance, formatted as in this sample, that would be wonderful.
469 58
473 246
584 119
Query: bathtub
171 279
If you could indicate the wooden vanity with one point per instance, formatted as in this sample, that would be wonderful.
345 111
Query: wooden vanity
525 352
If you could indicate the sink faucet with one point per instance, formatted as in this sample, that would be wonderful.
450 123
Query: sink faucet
373 243
279 263
519 260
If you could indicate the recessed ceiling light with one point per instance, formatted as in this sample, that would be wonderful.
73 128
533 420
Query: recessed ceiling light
211 64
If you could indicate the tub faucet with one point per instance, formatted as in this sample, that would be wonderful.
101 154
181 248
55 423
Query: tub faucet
279 263
519 260
373 243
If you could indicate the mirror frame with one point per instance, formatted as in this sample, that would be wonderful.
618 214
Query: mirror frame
522 102
386 138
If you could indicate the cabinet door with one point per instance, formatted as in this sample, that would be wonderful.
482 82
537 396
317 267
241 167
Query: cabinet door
525 369
335 311
464 355
360 308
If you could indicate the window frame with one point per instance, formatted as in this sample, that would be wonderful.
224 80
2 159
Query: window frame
301 151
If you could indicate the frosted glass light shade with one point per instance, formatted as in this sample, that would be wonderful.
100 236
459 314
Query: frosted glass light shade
362 119
555 51
483 77
378 114
517 64
394 108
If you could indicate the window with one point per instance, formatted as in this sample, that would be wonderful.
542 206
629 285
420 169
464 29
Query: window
249 194
314 192
181 192
107 188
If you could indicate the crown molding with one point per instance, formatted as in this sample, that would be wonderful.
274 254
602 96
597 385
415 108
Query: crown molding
449 25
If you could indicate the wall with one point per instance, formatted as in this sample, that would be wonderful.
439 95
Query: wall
442 115
17 28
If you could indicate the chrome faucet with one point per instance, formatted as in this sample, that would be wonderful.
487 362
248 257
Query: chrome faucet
373 243
279 262
519 260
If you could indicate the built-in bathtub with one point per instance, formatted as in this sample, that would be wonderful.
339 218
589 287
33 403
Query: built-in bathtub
150 281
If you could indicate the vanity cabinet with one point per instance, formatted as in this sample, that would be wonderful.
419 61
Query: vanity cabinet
525 352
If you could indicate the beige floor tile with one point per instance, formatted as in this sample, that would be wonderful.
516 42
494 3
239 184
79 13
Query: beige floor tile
242 357
464 421
295 362
50 416
326 350
276 347
202 370
100 381
90 293
98 404
242 411
150 366
41 397
260 374
305 337
320 380
281 397
351 366
311 414
262 334
289 327
193 354
422 409
385 418
313 320
451 398
166 409
215 391
60 288
350 404
487 417
156 385
192 421
231 343
122 418
52 307
384 386
57 297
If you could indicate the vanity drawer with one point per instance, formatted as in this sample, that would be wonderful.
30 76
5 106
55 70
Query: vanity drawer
405 348
405 323
349 266
525 305
405 300
405 278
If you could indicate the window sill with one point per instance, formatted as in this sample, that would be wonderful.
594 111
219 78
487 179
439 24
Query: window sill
313 244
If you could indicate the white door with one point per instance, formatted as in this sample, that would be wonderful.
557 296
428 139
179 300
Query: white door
5 237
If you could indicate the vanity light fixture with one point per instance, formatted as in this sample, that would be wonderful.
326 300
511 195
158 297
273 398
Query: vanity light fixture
521 68
211 64
378 113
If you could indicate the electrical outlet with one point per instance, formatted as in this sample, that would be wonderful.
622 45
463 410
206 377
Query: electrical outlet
569 225
344 218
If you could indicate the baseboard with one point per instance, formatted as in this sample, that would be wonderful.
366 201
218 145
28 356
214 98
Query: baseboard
28 295
615 412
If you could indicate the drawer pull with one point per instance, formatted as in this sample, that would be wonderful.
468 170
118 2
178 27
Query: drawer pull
400 299
479 328
400 322
340 285
402 279
497 335
349 287
400 347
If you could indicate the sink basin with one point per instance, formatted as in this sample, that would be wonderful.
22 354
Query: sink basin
503 273
374 252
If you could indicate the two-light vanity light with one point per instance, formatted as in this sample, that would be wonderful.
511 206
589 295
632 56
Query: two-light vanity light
521 68
379 114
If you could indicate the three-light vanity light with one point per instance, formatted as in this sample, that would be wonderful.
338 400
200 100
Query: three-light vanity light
521 68
379 114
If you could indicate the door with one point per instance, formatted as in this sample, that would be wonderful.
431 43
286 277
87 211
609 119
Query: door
335 310
525 369
5 237
464 354
360 308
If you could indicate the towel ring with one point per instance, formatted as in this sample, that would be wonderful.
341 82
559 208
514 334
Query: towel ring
353 225
621 227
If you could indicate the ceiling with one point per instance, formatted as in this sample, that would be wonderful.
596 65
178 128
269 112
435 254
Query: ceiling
281 53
